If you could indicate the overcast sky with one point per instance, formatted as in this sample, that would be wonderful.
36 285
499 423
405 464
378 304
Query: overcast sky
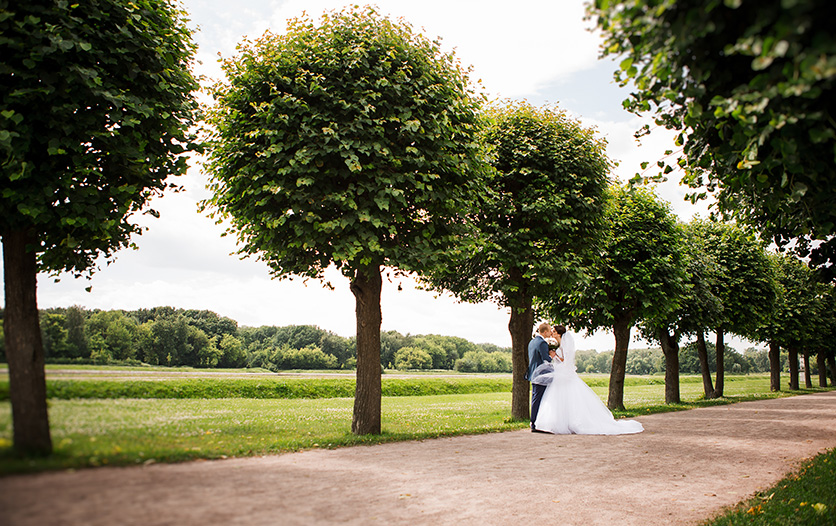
539 50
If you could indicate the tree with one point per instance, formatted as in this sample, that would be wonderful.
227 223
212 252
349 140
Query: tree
638 275
232 352
821 344
390 343
298 336
353 144
792 324
538 221
211 323
75 321
749 86
746 286
117 333
698 307
169 341
54 335
337 346
413 358
95 109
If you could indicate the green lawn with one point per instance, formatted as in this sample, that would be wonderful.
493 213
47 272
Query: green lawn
132 431
122 429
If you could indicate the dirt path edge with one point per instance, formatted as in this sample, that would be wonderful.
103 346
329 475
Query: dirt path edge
684 468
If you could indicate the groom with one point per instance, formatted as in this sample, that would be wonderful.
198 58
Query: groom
538 352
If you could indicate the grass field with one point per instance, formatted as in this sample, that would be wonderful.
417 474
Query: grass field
111 420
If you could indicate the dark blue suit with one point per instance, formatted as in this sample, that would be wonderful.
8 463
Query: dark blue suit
538 352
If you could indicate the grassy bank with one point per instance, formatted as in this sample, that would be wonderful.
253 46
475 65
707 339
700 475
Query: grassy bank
114 383
259 388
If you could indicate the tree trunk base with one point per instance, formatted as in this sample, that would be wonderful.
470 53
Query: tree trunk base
615 398
793 362
24 348
366 287
774 366
670 348
702 353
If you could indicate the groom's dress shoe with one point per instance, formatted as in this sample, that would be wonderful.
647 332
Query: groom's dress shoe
535 430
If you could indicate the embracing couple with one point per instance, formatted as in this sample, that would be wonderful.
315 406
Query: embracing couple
561 403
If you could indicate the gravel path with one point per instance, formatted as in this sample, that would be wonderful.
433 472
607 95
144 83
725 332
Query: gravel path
684 468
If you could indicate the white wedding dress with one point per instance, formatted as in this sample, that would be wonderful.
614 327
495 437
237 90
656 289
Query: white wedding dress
569 406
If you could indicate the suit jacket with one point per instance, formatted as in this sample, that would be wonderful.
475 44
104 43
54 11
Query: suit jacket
538 352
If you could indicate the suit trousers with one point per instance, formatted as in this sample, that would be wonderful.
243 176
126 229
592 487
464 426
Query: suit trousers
537 391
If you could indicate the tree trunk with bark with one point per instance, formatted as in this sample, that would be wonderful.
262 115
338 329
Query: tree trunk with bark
24 348
521 326
793 359
774 366
621 329
808 378
831 366
670 348
366 287
702 353
720 349
822 367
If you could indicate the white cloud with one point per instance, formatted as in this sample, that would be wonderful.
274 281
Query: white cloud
515 48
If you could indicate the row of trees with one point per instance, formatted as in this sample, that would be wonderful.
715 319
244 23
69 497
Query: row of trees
202 338
673 280
358 143
652 361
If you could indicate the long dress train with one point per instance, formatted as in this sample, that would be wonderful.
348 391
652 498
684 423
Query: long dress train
569 406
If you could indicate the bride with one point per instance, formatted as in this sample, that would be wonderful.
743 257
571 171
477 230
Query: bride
569 406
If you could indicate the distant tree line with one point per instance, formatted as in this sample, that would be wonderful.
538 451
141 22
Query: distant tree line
652 361
202 338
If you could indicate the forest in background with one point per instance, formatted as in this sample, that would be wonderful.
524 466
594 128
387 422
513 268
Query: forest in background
202 338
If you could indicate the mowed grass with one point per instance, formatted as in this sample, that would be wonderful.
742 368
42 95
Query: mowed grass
133 431
128 430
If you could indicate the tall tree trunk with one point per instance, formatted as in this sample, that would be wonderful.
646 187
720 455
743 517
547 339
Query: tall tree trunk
793 359
822 367
774 366
366 287
831 366
670 348
702 353
621 329
720 349
24 348
808 380
520 326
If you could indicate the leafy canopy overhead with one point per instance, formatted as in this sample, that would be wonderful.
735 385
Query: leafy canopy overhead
750 88
95 109
541 211
747 285
640 272
350 142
